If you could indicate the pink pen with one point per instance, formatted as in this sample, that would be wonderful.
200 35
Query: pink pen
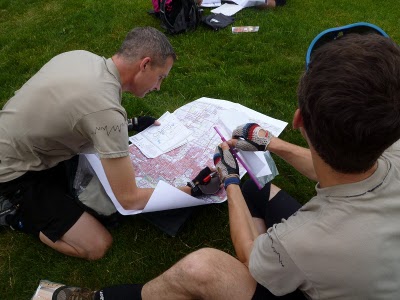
252 176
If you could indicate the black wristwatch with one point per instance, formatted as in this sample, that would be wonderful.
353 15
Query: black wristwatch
132 122
194 188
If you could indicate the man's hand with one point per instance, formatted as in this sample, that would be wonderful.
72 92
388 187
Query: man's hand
141 123
226 165
206 182
251 137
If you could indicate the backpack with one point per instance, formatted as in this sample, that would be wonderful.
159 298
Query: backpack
179 16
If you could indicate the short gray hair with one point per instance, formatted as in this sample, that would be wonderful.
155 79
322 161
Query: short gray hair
141 42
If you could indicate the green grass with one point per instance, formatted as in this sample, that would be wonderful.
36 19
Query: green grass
259 70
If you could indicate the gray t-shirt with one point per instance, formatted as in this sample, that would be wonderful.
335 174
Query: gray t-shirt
343 244
72 105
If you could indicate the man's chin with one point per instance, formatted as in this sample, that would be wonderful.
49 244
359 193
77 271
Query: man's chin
140 96
144 94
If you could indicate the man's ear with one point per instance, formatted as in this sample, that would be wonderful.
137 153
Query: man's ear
297 119
144 64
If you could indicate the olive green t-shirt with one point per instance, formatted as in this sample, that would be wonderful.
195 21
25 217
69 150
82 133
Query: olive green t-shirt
71 106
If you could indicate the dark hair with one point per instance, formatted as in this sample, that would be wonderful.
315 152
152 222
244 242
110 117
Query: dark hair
146 41
349 100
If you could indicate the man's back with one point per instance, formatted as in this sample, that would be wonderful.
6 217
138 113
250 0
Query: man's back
342 244
39 126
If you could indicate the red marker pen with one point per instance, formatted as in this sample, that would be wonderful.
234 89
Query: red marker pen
208 177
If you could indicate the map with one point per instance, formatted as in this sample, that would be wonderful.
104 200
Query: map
178 166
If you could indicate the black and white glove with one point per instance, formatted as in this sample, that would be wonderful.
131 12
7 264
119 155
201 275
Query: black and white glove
205 183
140 123
226 165
252 137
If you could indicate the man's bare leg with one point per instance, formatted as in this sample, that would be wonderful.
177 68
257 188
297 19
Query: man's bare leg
205 274
87 239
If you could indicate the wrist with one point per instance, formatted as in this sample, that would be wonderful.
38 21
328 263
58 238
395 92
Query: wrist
269 139
194 189
232 179
270 145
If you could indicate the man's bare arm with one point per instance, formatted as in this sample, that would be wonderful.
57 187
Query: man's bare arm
121 176
298 157
241 224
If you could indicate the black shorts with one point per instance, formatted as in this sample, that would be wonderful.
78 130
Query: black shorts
281 206
263 293
47 201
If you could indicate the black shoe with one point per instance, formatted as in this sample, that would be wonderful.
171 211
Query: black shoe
73 293
154 13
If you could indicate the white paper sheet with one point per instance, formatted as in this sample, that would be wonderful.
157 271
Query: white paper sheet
156 140
227 9
248 3
211 3
171 198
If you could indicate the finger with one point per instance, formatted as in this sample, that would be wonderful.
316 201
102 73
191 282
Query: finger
232 142
224 146
157 123
213 169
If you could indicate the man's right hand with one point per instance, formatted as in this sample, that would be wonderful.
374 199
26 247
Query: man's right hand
141 123
252 137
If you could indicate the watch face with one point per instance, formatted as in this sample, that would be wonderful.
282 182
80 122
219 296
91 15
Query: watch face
212 186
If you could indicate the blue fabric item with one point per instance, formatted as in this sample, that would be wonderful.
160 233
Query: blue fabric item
231 180
334 33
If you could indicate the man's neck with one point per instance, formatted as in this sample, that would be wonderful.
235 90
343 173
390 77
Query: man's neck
126 70
328 177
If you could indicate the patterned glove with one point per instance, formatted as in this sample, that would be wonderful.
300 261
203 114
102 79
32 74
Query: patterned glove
252 139
140 123
199 180
227 166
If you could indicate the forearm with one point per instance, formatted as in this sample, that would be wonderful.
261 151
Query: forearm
139 198
242 228
121 177
298 157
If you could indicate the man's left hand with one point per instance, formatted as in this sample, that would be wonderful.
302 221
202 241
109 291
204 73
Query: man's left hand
226 165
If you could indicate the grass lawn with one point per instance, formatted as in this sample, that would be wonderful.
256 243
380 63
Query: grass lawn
259 70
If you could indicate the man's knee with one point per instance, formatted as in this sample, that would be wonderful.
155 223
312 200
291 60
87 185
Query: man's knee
98 248
200 266
273 191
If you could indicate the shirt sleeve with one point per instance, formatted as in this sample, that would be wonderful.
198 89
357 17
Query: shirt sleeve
108 131
271 265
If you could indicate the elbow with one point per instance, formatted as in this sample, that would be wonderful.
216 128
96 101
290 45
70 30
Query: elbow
130 203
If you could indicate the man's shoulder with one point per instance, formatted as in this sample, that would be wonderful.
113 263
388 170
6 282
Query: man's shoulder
393 152
77 53
74 60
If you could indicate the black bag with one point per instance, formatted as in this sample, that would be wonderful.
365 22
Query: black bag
179 16
217 21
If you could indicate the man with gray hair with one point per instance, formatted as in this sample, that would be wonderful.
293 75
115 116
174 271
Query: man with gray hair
72 106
